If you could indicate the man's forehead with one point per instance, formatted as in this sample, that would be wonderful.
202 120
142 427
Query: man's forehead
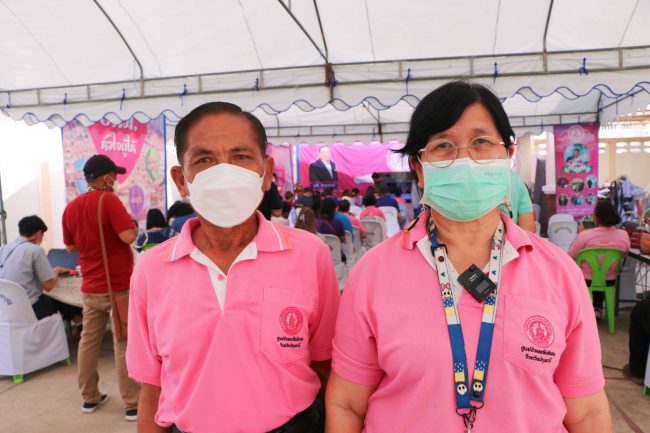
222 126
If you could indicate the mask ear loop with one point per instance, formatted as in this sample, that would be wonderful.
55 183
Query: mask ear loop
509 195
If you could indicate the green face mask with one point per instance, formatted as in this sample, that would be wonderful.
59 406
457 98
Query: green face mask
466 190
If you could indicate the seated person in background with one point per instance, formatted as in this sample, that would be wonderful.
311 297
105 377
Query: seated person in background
344 209
639 341
157 231
24 262
356 197
520 204
327 224
284 218
307 220
178 213
271 204
289 197
605 235
370 203
345 220
306 198
385 199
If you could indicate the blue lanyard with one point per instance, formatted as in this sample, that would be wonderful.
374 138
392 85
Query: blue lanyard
464 394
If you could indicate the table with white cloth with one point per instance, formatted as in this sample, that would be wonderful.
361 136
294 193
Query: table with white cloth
67 290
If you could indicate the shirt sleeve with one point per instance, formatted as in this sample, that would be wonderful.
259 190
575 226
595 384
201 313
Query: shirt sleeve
68 238
320 339
525 204
142 359
577 245
355 349
42 267
579 372
118 217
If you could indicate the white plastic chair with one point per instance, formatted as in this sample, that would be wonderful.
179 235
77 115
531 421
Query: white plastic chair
538 228
392 224
358 248
560 217
27 344
375 231
334 243
356 211
348 249
562 233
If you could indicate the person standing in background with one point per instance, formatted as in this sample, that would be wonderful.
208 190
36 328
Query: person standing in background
81 233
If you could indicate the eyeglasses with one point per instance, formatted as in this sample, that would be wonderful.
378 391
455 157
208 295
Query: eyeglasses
442 153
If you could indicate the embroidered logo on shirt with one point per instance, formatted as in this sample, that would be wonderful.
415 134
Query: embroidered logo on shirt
291 320
539 331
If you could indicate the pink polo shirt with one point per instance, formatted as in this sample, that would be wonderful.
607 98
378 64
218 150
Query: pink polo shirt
246 367
600 237
391 332
372 211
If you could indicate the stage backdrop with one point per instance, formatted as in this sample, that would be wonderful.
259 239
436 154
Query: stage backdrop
354 163
138 147
283 169
576 168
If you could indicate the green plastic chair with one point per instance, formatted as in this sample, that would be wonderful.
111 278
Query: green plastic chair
599 273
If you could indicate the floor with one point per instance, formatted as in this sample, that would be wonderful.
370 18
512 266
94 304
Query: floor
48 400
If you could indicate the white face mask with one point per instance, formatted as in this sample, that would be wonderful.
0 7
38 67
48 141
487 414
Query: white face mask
225 194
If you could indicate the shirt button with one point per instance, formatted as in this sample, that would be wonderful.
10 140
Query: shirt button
221 277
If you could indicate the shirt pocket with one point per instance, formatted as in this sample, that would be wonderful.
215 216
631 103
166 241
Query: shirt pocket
533 334
284 331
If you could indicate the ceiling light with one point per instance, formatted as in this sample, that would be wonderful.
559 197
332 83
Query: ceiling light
621 150
646 143
542 145
601 151
635 144
541 152
635 150
647 150
602 145
621 144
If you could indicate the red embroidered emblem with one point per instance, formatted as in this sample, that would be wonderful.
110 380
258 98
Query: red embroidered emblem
539 331
291 320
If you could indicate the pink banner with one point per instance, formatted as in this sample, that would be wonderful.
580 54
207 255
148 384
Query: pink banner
138 147
347 166
576 168
283 169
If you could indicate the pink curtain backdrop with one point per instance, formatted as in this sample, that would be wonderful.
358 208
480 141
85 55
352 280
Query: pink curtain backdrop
283 169
355 163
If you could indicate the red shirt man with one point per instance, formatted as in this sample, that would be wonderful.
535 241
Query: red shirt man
81 232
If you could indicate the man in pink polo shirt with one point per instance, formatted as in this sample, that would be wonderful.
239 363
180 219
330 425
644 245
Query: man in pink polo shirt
231 322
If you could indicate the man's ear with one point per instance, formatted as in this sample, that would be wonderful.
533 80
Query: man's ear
179 179
269 164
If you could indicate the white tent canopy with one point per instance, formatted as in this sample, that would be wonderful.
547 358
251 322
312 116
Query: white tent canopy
321 70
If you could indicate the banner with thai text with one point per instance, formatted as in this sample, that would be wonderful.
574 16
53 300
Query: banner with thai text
576 168
138 147
283 169
347 166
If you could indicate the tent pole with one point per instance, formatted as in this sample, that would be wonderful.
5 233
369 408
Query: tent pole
3 217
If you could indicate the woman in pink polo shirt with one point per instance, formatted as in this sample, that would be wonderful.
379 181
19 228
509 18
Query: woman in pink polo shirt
465 321
604 235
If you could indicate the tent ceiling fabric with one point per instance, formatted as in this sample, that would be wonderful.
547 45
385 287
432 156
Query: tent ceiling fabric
90 59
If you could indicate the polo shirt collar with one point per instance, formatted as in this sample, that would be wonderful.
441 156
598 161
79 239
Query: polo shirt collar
515 235
270 237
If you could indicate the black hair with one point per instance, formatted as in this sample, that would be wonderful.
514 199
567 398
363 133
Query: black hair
286 207
179 209
344 206
375 176
155 218
369 200
355 191
328 209
328 191
30 225
441 109
194 116
606 214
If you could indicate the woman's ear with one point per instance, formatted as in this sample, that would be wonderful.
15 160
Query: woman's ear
416 169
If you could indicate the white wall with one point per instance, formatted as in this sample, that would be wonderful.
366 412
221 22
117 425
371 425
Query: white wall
31 170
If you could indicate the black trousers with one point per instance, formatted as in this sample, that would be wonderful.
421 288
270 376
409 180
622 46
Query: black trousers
599 297
310 420
639 338
46 306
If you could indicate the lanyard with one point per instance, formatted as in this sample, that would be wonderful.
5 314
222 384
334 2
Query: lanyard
465 395
2 265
